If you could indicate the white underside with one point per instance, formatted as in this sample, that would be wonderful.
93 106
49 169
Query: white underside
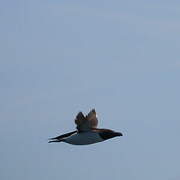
84 138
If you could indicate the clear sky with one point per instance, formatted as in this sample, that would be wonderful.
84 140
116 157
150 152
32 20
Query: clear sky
60 57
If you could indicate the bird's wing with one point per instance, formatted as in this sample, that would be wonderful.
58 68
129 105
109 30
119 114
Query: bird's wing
86 123
92 118
63 136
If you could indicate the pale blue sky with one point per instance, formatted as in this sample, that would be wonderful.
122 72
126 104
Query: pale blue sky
59 57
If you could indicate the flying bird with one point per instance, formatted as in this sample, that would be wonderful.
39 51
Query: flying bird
87 131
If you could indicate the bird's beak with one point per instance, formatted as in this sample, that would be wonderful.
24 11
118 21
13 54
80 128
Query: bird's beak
118 134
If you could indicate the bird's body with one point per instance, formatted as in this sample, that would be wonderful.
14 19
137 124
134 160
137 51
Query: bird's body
86 133
83 138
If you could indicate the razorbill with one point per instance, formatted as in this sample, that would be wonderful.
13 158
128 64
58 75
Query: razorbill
87 131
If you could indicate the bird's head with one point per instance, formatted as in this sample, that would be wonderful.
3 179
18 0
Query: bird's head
108 134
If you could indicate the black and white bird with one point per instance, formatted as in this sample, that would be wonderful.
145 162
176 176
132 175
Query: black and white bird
87 131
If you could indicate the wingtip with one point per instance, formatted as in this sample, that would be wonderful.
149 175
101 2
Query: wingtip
50 140
54 141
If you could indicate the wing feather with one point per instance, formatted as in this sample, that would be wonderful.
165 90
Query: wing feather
86 123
